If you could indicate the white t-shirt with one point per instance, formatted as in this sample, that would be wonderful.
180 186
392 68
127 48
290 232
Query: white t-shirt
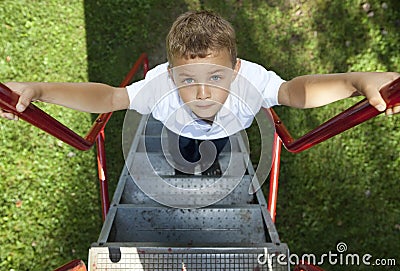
254 87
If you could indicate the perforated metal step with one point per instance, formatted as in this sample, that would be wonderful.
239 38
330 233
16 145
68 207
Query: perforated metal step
132 194
159 164
187 227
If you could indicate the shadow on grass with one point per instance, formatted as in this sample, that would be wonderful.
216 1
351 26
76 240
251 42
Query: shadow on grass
117 33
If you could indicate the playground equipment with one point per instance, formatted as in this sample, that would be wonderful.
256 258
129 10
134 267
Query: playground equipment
234 233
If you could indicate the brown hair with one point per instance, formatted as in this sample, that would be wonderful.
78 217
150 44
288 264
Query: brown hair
194 33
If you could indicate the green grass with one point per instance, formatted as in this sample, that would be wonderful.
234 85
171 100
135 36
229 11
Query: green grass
49 203
345 189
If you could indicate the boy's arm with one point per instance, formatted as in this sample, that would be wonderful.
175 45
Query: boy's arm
316 90
87 97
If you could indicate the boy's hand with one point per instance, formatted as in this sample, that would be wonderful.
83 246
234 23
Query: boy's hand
27 94
369 85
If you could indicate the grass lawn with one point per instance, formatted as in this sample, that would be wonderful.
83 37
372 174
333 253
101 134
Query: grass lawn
344 190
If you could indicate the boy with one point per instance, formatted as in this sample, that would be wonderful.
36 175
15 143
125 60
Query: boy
204 92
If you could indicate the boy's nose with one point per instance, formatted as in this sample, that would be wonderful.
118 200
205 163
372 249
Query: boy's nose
203 92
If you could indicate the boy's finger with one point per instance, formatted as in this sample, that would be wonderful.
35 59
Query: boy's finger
9 116
375 99
24 100
378 103
20 106
396 109
389 111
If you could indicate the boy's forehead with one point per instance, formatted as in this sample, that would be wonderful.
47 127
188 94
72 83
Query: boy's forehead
200 68
219 58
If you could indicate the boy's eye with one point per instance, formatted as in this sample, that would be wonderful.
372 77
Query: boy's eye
215 77
188 80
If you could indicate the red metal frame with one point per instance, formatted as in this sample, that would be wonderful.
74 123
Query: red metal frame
349 118
42 120
100 138
358 113
307 267
274 176
75 265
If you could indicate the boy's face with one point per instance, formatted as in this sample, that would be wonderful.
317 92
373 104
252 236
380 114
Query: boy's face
203 83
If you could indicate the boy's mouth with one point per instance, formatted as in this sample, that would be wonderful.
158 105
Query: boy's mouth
204 105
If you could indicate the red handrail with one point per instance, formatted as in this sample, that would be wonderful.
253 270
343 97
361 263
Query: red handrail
358 113
274 176
100 137
40 119
307 267
75 265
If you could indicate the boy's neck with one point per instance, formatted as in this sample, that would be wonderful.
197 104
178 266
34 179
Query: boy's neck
208 120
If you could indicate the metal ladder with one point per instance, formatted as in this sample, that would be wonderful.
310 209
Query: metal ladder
139 233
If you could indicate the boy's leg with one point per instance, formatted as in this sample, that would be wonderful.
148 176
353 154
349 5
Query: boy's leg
214 168
220 143
184 152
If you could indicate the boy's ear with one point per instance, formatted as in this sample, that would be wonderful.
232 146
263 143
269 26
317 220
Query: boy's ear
236 69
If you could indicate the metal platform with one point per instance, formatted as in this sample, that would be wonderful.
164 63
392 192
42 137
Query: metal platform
234 231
